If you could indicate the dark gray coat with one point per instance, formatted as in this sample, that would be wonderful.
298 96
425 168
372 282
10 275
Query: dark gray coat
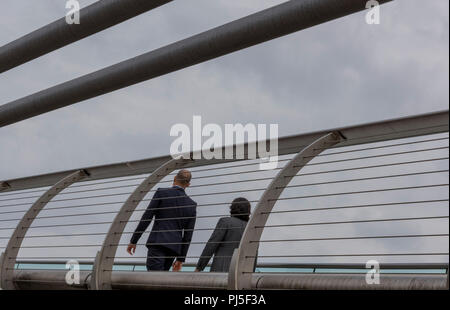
221 244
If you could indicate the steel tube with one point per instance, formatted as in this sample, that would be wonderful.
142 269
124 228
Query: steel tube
260 27
35 279
94 18
348 282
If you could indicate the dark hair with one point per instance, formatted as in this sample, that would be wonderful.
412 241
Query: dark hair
183 176
240 208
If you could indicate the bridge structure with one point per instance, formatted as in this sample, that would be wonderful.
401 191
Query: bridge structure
341 200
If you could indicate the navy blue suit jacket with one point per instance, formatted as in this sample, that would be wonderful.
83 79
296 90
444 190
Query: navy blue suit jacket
173 227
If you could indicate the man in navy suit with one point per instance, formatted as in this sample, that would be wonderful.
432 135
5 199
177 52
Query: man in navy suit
171 235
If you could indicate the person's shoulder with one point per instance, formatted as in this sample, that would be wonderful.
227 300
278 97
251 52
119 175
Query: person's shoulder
163 190
223 221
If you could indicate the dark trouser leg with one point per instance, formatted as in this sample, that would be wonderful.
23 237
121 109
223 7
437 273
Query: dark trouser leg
169 261
155 259
159 258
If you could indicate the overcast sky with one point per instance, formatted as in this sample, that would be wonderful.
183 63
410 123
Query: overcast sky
337 74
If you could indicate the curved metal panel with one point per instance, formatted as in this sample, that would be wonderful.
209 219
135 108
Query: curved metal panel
13 247
240 274
101 274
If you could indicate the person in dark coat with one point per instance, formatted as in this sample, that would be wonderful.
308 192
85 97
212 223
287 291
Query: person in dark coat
226 237
171 235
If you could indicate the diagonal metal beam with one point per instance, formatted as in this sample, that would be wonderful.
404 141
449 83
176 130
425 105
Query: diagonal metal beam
9 256
93 18
254 29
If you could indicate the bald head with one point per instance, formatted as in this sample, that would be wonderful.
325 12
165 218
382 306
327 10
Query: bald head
183 178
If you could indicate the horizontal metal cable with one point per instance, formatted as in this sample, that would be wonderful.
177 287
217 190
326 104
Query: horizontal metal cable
24 192
53 257
258 179
325 162
285 198
328 154
362 192
347 255
182 217
350 238
131 221
336 146
365 179
313 184
378 147
61 235
272 212
321 172
67 215
444 126
171 230
243 172
118 244
296 147
121 194
109 257
219 183
233 166
371 166
357 206
245 190
224 215
374 156
105 182
356 221
122 233
11 212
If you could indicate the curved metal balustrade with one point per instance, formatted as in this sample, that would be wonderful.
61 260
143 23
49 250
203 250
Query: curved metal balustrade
373 192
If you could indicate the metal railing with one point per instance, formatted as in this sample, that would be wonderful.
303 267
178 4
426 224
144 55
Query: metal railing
341 199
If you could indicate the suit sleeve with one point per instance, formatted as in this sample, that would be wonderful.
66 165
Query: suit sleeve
146 217
188 231
213 243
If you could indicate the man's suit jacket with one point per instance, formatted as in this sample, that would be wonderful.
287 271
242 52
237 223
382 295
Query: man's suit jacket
221 244
173 227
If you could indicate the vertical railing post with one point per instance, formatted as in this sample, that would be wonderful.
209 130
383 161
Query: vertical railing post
12 249
104 261
243 261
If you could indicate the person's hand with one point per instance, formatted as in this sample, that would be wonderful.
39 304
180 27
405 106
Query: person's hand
131 249
177 266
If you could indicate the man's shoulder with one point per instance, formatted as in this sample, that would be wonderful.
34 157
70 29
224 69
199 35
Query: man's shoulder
163 190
